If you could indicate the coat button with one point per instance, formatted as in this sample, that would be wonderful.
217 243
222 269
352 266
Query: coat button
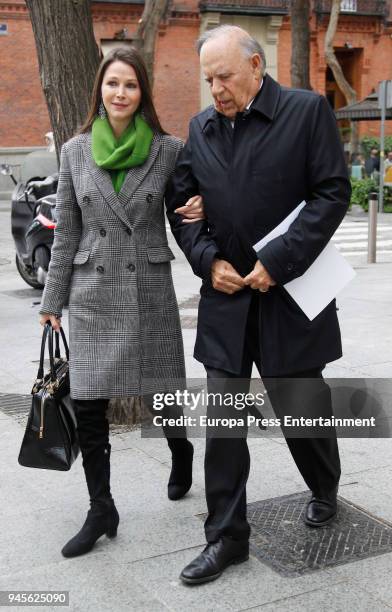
100 269
149 198
290 267
131 267
86 199
129 231
102 232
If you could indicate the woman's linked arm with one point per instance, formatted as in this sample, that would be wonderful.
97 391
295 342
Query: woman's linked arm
193 210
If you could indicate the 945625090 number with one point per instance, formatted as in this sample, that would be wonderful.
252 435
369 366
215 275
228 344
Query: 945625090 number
34 598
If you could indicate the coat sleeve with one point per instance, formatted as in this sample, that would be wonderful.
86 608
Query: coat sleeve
66 241
192 238
288 256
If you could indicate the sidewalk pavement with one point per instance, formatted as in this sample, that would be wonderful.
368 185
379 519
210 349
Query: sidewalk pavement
139 570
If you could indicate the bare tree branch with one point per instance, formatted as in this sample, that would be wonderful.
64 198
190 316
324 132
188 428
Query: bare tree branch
330 57
332 61
146 34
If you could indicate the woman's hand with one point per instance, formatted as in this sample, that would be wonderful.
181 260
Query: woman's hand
52 319
193 210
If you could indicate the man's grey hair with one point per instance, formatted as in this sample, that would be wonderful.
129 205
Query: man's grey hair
248 44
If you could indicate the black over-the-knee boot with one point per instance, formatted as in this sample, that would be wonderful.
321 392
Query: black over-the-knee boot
180 479
102 518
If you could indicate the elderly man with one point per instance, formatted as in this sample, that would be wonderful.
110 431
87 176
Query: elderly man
254 156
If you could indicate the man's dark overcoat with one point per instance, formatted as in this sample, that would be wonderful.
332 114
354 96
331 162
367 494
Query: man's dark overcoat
284 149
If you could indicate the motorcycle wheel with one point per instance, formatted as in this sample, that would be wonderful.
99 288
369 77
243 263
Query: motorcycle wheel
28 276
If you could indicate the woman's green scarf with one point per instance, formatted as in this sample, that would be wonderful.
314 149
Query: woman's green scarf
118 155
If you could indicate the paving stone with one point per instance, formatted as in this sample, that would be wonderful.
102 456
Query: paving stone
240 587
96 583
338 597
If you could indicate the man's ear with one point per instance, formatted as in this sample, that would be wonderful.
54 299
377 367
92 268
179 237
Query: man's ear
256 63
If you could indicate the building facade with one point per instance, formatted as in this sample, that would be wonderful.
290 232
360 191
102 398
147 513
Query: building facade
363 44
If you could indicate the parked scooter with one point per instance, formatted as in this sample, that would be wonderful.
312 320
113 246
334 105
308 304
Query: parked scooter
32 223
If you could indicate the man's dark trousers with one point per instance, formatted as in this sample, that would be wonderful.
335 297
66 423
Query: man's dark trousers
227 460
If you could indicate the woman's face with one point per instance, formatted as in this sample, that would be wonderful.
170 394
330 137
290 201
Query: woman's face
121 93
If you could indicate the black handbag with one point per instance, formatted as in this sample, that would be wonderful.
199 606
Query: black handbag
50 441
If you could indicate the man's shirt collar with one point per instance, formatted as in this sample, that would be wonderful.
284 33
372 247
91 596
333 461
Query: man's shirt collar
253 99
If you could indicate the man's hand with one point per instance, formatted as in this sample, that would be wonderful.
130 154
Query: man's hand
225 278
259 278
193 210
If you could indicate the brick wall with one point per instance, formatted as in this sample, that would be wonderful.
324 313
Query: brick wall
374 65
23 114
177 77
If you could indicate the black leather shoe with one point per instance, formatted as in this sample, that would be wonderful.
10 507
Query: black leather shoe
320 512
96 525
214 559
180 480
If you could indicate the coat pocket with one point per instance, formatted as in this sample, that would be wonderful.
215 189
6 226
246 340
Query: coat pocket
160 254
81 257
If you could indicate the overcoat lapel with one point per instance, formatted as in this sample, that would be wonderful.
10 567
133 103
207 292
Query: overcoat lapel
134 177
213 139
219 147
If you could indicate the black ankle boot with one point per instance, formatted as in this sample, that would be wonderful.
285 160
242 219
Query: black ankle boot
98 523
180 480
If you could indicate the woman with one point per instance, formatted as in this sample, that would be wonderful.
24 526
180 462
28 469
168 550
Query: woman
111 254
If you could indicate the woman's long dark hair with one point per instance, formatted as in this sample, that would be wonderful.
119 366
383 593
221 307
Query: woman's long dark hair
132 57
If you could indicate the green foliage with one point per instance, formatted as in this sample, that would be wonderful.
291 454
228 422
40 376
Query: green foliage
372 142
361 189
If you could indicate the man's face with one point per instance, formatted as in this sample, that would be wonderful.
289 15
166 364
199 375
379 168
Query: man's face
390 156
234 80
374 152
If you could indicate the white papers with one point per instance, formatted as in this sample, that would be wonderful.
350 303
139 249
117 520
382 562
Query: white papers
279 229
322 281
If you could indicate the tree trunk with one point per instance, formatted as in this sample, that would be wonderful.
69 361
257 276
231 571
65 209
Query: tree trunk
153 13
332 61
68 59
300 44
129 412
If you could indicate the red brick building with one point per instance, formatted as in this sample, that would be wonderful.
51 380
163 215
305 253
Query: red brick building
363 44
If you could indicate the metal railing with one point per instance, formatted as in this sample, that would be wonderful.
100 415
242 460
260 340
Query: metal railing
256 6
376 8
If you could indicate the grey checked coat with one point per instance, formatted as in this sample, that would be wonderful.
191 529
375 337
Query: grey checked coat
111 252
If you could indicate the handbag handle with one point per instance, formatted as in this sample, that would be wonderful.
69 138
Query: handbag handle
57 354
40 373
48 335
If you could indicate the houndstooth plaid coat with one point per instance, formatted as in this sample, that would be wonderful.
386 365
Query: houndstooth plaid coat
111 253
